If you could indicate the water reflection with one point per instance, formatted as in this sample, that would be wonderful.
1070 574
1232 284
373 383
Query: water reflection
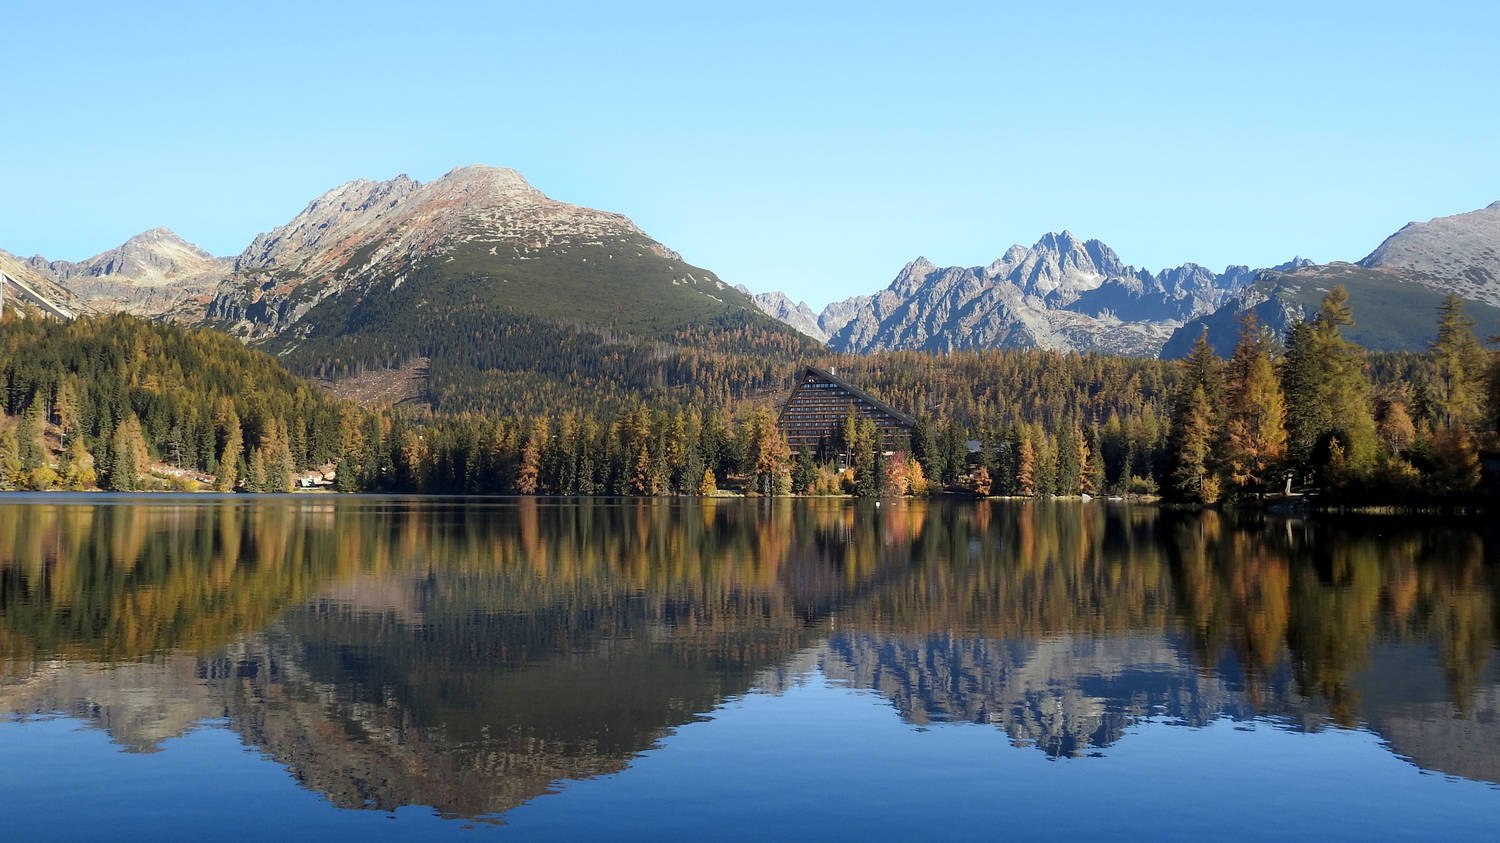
466 655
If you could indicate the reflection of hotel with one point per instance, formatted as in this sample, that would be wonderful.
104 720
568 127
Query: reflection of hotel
820 403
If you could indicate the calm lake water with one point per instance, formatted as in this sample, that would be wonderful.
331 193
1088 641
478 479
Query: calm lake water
309 667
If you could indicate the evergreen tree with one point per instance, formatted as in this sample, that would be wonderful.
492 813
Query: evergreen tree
229 458
1069 460
1458 364
78 466
1343 386
344 479
924 448
1255 410
1306 417
128 456
1195 423
276 459
67 406
1093 463
255 477
804 471
12 475
528 475
865 458
1193 435
29 437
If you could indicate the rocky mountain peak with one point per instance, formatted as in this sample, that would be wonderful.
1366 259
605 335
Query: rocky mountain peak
485 182
155 256
161 235
1460 253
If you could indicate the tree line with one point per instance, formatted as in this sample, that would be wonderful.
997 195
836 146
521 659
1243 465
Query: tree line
120 403
1307 413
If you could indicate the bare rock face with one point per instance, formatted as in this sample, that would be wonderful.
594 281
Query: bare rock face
1062 293
780 307
28 284
357 231
1460 254
361 223
149 274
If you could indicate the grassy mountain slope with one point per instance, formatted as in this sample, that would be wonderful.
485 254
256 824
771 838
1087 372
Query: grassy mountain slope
593 327
1390 312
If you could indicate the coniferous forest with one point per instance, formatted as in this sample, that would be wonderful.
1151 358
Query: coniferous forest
120 403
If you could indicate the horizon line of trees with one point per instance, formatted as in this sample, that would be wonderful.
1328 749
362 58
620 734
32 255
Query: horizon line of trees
1308 415
121 403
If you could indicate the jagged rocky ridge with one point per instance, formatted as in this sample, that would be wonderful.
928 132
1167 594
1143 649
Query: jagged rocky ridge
153 272
1062 293
356 235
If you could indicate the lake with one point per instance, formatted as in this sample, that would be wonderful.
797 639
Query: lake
317 666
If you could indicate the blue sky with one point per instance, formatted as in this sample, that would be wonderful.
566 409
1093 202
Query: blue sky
813 150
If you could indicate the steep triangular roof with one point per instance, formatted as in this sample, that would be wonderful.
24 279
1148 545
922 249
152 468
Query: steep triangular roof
858 393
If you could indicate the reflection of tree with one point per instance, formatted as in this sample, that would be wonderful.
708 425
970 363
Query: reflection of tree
464 655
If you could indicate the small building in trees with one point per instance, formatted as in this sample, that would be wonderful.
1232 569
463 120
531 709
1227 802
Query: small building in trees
814 415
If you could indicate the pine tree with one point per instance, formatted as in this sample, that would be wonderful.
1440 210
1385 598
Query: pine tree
866 459
1306 415
66 406
128 456
276 459
12 476
29 438
804 471
343 476
1458 364
78 466
1343 386
229 458
1069 460
1093 462
255 477
1196 422
1026 468
709 487
1193 433
528 474
1255 429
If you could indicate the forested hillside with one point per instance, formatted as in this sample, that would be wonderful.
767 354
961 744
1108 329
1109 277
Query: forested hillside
104 399
121 403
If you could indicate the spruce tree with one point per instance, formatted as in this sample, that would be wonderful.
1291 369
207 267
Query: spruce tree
29 438
1307 417
12 476
1458 364
128 456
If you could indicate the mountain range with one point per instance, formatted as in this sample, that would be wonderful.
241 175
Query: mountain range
1069 294
482 289
477 275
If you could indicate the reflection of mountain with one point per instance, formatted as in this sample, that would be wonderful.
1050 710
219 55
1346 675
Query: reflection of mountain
468 656
1069 695
1064 695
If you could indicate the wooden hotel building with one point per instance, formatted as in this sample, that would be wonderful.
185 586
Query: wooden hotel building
815 413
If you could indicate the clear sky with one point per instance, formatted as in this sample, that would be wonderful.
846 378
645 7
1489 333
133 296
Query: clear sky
813 150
